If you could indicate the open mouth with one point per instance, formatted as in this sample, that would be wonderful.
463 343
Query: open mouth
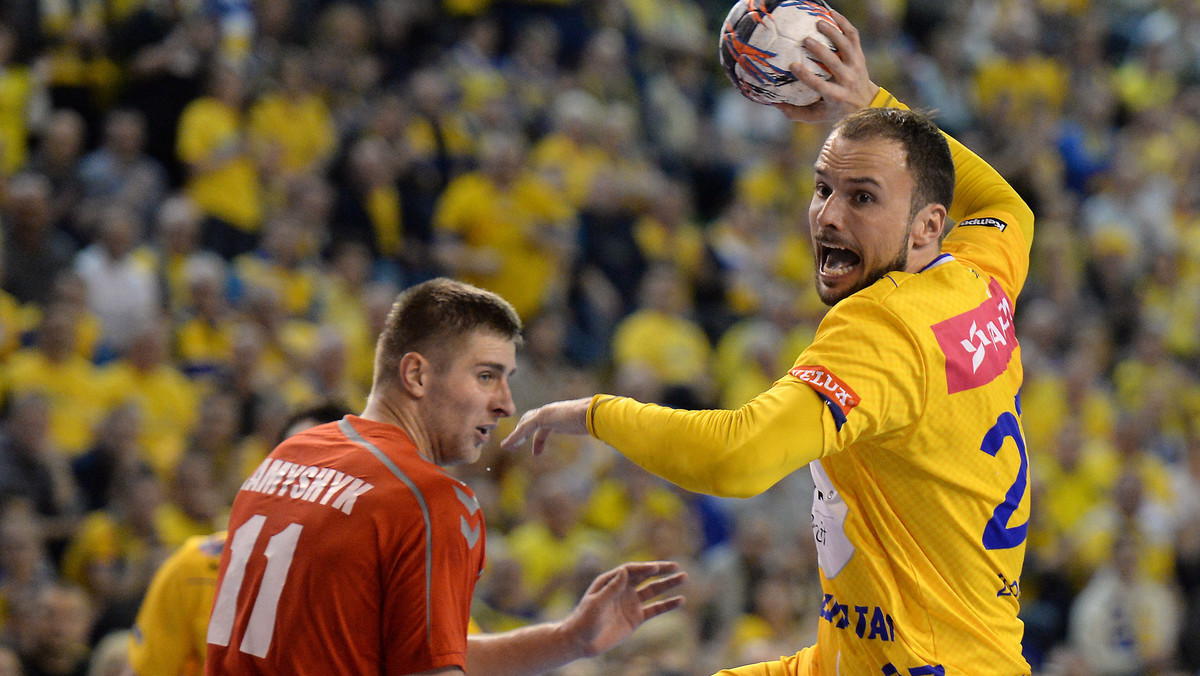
837 261
484 431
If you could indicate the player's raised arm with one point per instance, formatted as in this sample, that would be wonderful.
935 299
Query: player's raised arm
737 453
994 231
1000 245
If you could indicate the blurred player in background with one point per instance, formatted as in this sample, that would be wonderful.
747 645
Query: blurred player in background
904 407
352 551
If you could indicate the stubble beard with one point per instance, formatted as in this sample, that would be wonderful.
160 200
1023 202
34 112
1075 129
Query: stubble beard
898 263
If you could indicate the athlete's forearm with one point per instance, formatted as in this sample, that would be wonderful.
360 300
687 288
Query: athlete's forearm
728 453
522 652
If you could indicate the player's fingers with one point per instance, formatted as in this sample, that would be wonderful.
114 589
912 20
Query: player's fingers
833 62
519 433
845 34
612 580
664 606
539 440
640 571
802 73
661 585
845 40
514 439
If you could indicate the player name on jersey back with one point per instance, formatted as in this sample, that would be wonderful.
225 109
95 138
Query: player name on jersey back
322 485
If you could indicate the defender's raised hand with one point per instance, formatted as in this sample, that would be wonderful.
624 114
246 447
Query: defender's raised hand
619 601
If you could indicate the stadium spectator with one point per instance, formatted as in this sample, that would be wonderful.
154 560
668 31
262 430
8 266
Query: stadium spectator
222 171
68 382
26 567
663 337
70 297
1125 622
505 229
554 539
115 550
24 105
57 640
35 250
57 157
341 305
34 469
114 458
369 208
1128 510
120 172
167 50
174 244
328 377
282 263
121 288
291 123
166 399
193 503
214 437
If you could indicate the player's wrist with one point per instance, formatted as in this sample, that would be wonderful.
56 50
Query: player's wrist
571 635
882 98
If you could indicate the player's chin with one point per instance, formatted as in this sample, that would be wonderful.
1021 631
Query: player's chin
469 453
833 290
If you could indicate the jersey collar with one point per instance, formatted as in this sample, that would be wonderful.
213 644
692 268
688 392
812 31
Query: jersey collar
940 260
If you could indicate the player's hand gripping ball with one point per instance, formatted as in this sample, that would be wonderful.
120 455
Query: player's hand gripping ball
760 39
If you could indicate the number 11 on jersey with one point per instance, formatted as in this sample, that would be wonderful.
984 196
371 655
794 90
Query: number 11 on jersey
261 627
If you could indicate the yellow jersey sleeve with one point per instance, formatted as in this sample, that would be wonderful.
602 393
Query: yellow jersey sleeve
728 453
168 637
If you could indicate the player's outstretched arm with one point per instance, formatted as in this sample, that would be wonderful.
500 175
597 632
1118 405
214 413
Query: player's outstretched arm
614 606
849 87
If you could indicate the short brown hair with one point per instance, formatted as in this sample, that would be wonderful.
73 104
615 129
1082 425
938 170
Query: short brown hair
432 317
926 150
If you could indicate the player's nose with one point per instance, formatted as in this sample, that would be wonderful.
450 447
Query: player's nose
828 216
504 407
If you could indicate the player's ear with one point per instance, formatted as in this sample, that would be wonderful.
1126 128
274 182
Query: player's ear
928 225
413 373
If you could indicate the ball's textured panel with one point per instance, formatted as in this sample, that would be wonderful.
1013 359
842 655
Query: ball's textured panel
761 38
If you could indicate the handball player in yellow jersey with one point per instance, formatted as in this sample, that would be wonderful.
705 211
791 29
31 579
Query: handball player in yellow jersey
905 407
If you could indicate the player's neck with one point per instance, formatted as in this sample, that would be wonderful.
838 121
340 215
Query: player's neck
920 258
392 409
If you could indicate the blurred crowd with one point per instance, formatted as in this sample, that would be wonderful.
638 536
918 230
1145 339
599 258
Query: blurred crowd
208 207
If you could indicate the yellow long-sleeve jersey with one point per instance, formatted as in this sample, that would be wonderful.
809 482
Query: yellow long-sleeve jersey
906 405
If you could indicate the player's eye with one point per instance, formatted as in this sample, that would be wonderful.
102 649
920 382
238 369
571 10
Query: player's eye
487 376
822 191
864 198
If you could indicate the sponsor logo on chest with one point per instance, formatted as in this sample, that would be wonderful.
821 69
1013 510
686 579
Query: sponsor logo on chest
979 343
